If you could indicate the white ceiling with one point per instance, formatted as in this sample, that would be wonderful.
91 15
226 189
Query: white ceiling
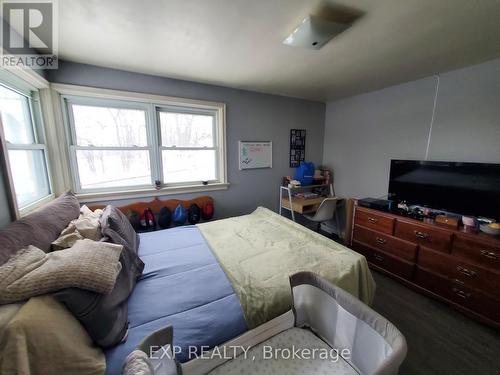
238 43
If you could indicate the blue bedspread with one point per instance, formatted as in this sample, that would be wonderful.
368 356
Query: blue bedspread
182 285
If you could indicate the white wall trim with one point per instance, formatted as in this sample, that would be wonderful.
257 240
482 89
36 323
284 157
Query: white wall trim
27 74
55 141
95 92
134 194
35 205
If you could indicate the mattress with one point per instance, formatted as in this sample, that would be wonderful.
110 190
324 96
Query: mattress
214 281
292 340
261 250
182 285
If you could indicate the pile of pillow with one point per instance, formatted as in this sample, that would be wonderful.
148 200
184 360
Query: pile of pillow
86 226
92 269
105 315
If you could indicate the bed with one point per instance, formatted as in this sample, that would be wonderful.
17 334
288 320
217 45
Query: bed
216 280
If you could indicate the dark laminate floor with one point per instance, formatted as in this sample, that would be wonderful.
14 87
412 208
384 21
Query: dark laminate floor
440 339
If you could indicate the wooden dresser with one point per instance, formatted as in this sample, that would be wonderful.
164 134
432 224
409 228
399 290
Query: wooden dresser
462 269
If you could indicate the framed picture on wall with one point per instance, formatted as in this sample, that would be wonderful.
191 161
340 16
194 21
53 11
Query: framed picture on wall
297 147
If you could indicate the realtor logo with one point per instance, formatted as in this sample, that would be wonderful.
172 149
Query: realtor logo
29 34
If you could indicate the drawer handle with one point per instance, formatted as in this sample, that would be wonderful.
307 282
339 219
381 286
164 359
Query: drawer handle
461 293
380 258
489 254
422 235
466 271
372 220
380 241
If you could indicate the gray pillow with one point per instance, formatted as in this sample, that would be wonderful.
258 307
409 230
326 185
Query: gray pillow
105 316
116 227
92 265
40 228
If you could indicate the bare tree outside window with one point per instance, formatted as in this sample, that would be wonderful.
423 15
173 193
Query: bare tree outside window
129 145
188 147
118 133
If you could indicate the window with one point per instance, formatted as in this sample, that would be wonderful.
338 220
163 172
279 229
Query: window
109 146
26 151
188 145
125 145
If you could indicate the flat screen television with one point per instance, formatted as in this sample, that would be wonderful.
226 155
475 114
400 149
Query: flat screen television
462 188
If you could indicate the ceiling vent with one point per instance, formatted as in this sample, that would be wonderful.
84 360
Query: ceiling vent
314 32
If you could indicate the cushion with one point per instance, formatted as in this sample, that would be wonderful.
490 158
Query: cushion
105 316
43 338
87 225
138 363
88 265
117 228
39 228
7 312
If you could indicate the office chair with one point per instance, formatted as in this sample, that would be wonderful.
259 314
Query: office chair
325 212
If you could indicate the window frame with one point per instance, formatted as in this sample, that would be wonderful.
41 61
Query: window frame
152 104
32 95
216 141
73 146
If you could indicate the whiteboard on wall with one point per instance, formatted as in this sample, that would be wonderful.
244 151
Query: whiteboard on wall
255 155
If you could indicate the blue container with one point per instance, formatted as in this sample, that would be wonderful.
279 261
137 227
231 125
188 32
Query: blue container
305 173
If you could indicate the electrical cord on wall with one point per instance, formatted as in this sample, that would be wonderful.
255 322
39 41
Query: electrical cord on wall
432 119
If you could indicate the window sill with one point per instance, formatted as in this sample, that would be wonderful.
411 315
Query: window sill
145 193
35 205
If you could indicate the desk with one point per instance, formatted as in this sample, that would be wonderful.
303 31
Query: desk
301 205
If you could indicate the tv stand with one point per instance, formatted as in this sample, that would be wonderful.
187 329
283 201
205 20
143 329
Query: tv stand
458 267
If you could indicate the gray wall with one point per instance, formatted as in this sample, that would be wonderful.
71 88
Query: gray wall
250 116
364 132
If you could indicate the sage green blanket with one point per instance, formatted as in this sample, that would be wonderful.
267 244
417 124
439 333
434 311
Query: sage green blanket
260 251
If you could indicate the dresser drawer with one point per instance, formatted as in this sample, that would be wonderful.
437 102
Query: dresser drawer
466 274
435 238
463 296
389 244
476 301
432 282
383 260
477 251
374 220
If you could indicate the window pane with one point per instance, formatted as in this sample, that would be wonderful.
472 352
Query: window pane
104 126
188 165
112 168
29 174
186 130
16 118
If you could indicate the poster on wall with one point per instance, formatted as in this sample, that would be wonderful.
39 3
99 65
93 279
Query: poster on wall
297 147
255 155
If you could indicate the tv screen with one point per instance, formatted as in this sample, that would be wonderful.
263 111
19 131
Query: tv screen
462 188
